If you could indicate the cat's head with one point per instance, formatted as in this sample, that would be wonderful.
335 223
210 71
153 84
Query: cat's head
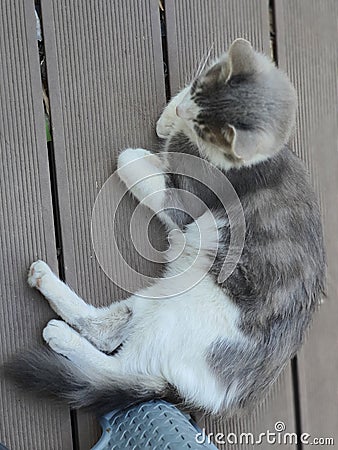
241 109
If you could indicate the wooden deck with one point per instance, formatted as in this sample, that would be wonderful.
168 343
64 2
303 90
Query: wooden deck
107 86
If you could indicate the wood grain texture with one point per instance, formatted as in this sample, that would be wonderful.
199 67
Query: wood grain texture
307 37
193 28
106 87
27 231
196 27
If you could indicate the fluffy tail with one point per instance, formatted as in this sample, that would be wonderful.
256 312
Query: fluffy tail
49 373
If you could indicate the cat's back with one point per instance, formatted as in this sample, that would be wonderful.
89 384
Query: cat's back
279 278
282 267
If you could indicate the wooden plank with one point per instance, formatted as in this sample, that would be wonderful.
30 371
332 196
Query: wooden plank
193 28
107 89
26 223
307 37
196 27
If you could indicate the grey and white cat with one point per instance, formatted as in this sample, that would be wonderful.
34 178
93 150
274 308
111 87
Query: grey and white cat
219 345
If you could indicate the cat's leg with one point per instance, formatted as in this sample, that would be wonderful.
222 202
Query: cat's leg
61 298
109 327
104 327
67 342
168 118
144 174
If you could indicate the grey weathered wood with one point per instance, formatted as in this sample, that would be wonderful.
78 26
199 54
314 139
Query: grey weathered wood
193 28
106 91
196 27
307 37
26 224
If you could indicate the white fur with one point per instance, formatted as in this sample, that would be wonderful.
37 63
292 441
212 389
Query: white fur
212 152
170 331
175 335
165 124
187 109
96 324
174 322
174 124
168 339
170 123
143 173
166 330
67 342
61 298
216 156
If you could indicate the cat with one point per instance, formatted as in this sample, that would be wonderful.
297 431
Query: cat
215 344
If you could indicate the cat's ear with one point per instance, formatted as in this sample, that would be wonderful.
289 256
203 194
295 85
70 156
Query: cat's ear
242 58
246 144
218 72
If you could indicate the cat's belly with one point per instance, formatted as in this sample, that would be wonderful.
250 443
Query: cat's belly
171 336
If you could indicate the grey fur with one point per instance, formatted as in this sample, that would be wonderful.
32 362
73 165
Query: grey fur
107 330
48 373
280 278
246 107
256 102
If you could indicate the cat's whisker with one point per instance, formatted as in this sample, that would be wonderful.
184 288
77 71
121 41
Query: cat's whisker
204 61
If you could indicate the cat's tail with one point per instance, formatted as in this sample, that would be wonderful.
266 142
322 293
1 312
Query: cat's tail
47 372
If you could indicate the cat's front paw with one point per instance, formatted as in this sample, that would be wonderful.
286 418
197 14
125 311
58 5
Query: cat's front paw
130 155
142 173
61 337
136 164
37 272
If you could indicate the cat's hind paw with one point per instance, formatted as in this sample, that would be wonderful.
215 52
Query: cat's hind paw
37 271
62 338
